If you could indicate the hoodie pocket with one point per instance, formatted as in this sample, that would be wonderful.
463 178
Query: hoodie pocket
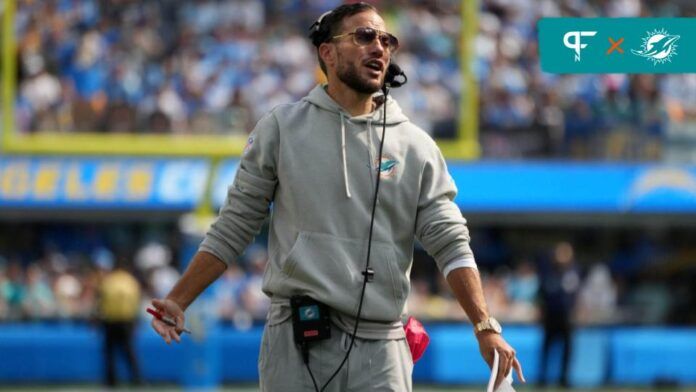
329 268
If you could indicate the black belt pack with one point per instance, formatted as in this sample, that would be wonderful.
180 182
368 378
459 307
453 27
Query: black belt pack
310 319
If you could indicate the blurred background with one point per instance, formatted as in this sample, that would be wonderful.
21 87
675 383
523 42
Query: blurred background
122 123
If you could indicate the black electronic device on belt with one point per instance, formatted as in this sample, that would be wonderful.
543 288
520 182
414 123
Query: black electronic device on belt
310 319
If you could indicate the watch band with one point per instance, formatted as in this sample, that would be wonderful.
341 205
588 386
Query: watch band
489 324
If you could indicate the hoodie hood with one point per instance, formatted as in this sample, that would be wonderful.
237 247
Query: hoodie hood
319 97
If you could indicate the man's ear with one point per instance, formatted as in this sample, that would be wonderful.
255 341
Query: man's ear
327 52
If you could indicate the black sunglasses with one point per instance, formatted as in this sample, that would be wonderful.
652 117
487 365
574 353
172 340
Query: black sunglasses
363 36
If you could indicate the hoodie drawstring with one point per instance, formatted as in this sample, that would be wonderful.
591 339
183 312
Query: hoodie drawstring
369 137
370 154
343 156
375 160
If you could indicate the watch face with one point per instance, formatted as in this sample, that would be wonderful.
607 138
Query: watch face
495 325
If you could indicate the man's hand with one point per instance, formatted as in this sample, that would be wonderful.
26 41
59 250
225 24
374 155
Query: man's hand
489 341
171 309
466 284
201 272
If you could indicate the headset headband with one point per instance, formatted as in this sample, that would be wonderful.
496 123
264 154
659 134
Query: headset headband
316 34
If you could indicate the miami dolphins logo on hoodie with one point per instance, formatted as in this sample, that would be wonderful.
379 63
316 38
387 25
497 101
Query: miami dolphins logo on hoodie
388 167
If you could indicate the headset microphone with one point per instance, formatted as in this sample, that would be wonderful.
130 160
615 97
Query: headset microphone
394 71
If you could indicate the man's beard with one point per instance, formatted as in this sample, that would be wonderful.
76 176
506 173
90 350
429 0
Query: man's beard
348 74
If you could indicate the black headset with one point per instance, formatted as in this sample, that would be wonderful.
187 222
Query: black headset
318 31
393 72
394 78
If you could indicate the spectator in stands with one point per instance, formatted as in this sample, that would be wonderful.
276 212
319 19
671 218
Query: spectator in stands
41 92
252 297
650 116
118 308
494 291
153 262
560 283
13 290
580 130
68 287
39 302
227 291
522 289
597 298
4 307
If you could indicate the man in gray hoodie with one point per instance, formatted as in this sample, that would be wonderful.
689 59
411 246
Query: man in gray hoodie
316 162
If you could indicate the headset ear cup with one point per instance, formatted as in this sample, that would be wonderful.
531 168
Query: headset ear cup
317 34
317 37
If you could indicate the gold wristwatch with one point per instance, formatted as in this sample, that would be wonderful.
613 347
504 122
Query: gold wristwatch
491 325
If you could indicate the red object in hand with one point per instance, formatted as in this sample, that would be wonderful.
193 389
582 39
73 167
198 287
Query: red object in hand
165 319
416 337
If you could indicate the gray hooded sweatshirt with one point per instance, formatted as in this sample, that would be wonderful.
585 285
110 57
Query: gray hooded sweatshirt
313 166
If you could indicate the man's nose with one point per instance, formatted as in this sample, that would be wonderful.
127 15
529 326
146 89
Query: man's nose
376 47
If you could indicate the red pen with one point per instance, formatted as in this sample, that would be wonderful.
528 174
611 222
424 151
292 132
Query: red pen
165 319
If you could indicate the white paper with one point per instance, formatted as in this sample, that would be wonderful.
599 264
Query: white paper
506 384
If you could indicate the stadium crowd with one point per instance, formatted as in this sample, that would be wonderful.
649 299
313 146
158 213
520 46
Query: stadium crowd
636 278
210 66
60 278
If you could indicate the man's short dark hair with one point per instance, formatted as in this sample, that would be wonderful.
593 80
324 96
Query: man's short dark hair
328 26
